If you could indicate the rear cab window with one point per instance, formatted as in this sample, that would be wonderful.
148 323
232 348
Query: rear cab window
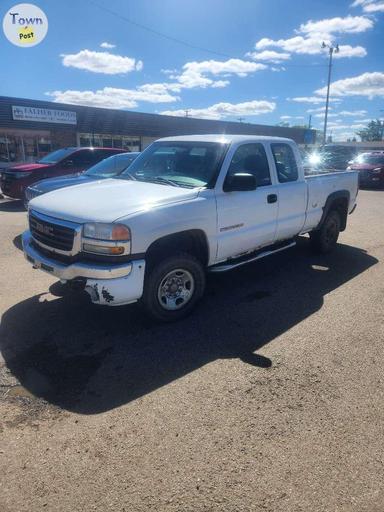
285 161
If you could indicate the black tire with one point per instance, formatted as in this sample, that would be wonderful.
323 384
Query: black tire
183 267
324 240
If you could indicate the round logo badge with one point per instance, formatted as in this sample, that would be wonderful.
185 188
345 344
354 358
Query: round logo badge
25 25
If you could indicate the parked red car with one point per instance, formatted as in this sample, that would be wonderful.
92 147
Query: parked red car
17 178
371 168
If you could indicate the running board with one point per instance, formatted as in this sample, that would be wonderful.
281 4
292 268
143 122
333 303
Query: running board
224 267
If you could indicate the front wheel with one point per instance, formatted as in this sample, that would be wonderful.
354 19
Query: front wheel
325 239
172 287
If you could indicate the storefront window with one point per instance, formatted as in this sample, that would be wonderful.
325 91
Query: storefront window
107 143
130 143
85 139
23 145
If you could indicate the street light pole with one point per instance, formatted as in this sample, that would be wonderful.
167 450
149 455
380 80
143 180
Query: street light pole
331 50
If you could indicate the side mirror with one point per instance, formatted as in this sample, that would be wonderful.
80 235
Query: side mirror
240 182
68 163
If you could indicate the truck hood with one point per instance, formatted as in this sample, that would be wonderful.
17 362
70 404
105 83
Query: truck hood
108 200
28 167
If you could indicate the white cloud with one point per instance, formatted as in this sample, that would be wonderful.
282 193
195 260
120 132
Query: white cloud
345 50
269 56
222 110
101 62
322 115
312 99
367 84
349 25
353 113
297 44
107 45
215 67
311 34
194 74
357 126
168 71
338 126
111 97
291 117
369 6
277 69
319 109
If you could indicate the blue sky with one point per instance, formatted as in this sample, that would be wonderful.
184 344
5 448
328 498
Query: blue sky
251 59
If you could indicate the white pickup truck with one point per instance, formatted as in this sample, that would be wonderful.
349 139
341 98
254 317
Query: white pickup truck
186 205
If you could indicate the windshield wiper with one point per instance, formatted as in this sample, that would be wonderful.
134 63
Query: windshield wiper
166 181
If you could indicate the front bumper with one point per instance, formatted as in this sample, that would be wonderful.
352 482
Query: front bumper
370 179
112 285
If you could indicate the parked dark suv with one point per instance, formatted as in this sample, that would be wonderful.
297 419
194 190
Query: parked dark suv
17 178
371 168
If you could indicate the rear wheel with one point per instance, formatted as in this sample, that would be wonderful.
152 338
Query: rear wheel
172 287
325 239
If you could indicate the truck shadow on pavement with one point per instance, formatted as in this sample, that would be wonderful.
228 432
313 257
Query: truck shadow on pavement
12 206
90 359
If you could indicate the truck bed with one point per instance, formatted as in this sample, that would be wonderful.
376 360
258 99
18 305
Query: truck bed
321 185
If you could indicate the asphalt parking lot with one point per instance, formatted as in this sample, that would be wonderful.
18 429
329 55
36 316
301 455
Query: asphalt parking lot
268 398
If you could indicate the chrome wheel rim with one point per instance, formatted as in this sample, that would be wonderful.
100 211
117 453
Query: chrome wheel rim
176 289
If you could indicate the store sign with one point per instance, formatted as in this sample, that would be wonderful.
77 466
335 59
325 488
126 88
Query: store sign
43 115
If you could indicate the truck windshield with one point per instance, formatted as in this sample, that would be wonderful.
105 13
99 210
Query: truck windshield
181 164
56 156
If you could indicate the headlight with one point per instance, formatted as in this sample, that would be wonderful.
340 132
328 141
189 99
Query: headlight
30 193
20 174
106 239
377 170
100 231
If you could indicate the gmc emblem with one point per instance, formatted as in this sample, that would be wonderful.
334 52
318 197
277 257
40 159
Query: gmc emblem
46 230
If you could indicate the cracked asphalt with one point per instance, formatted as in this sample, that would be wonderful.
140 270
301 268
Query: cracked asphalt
268 398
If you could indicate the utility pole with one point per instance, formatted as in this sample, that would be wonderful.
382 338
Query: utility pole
309 121
186 112
240 119
332 49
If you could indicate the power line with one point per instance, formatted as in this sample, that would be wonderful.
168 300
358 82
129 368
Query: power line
156 32
186 43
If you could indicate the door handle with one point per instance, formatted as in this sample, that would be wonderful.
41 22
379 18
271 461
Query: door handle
272 198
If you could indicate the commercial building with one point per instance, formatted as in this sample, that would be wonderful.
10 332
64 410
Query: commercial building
29 129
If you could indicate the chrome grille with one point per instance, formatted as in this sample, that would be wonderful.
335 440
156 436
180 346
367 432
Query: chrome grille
51 234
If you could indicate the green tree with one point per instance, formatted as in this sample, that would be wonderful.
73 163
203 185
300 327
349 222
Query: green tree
373 132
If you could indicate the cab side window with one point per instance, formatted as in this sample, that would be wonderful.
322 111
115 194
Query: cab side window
285 161
251 159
